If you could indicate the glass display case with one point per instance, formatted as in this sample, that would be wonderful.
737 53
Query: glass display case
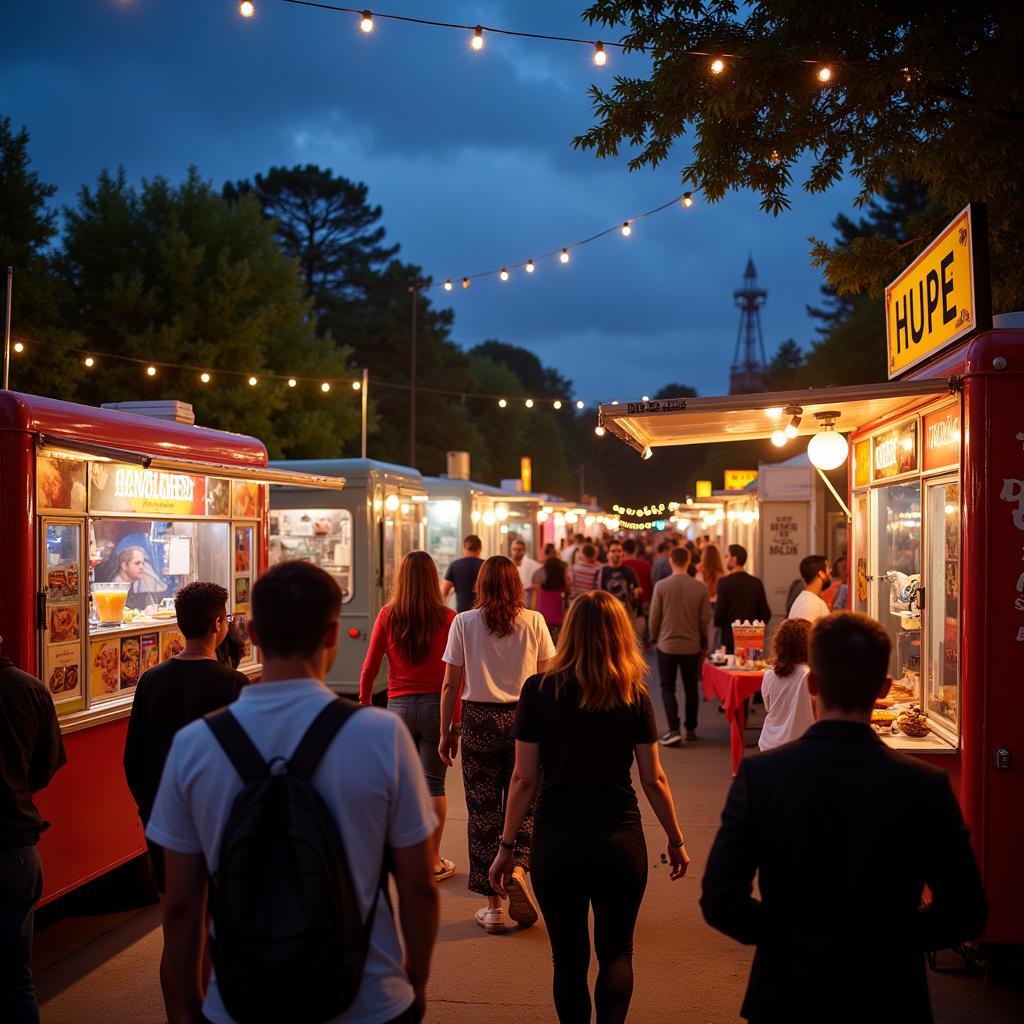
322 536
444 531
942 608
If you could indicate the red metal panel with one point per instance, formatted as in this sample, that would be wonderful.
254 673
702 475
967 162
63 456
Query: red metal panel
95 824
18 549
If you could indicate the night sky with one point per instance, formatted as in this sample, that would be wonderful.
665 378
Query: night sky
468 153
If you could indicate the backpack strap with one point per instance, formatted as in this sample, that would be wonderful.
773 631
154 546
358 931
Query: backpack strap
313 745
235 742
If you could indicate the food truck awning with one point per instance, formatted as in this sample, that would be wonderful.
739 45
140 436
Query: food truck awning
675 421
257 474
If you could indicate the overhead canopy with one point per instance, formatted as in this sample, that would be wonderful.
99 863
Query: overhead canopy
675 421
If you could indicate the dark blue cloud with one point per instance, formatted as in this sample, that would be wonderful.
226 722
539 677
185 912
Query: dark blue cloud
469 154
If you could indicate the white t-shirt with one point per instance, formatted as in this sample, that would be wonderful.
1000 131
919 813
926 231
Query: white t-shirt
790 709
497 666
527 567
808 606
569 553
370 778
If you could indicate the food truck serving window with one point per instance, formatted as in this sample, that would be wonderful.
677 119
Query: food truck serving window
322 536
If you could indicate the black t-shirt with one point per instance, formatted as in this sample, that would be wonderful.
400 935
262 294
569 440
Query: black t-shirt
31 751
620 582
585 756
167 698
463 573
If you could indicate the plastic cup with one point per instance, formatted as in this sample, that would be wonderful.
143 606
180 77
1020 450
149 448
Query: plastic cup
109 599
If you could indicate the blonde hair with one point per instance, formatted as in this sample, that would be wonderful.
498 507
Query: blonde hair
598 648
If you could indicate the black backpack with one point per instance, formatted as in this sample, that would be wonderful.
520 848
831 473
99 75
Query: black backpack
289 942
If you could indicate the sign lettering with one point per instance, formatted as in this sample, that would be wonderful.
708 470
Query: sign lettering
895 451
737 479
942 437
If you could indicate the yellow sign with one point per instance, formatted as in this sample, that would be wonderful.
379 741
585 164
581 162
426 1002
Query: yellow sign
703 488
526 472
942 296
862 463
737 479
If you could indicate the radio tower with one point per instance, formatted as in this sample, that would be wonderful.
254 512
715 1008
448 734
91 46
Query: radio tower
748 363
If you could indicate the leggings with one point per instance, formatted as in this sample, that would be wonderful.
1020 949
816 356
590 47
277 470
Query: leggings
576 868
488 757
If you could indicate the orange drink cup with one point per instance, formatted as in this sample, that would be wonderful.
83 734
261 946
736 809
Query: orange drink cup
109 599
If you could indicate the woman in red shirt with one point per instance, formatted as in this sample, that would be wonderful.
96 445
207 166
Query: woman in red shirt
412 630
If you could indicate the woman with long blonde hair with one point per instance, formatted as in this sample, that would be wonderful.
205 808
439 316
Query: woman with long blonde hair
412 630
492 650
578 728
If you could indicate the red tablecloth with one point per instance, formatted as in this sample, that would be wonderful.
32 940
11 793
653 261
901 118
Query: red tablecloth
732 687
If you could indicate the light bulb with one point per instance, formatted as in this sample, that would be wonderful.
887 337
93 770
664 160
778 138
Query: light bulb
647 453
579 404
717 66
774 156
564 256
600 57
646 398
599 430
530 267
627 229
779 438
357 385
325 387
151 371
477 41
465 282
503 274
246 8
827 450
790 430
366 22
292 382
501 512
557 404
205 378
19 346
253 382
391 502
488 518
502 403
89 361
824 73
687 199
774 413
529 403
448 285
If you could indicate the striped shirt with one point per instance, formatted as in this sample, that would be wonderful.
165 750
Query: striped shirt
585 577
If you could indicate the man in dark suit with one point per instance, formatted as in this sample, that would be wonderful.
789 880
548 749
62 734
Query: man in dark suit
844 834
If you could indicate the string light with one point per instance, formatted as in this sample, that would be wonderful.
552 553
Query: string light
89 361
687 200
292 382
529 403
151 371
502 403
564 255
465 282
19 347
204 378
600 57
557 404
246 8
717 66
366 22
530 268
253 381
824 73
580 404
478 39
599 430
626 229
357 385
325 387
448 285
504 274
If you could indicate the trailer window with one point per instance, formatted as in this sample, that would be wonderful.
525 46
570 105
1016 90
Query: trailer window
322 536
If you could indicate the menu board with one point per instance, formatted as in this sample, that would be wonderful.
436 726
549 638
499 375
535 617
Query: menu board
894 452
120 488
862 463
242 567
62 609
942 437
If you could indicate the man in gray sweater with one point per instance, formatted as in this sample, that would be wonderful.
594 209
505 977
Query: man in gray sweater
680 613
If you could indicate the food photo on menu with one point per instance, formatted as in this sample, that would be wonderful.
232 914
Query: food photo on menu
131 657
105 656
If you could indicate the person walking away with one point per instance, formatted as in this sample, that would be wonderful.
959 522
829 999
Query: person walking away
789 710
173 694
837 597
412 631
552 586
586 573
31 753
740 596
492 650
578 729
619 580
462 573
373 796
661 568
711 570
634 560
680 615
528 568
571 551
809 604
805 819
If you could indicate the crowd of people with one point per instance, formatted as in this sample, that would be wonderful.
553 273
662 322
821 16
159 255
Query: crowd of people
274 844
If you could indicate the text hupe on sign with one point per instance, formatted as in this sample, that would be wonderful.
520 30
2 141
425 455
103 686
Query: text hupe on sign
942 296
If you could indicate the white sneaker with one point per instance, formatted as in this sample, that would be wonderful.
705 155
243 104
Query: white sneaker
492 921
521 907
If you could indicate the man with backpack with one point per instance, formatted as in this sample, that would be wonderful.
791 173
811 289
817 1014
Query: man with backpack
291 808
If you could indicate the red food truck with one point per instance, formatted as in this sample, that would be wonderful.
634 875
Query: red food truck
104 515
936 500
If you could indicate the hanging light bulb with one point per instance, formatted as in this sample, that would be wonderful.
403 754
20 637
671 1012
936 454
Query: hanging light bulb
600 57
779 439
253 381
829 449
580 403
564 255
292 382
204 378
824 74
357 385
477 42
687 200
530 267
151 371
599 430
647 453
646 398
774 413
502 403
448 285
325 387
717 66
465 282
557 404
503 274
366 22
529 403
19 346
246 8
791 427
627 229
89 361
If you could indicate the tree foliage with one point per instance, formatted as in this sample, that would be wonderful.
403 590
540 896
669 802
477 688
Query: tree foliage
933 93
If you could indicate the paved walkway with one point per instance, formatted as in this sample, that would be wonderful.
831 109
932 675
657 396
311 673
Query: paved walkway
99 970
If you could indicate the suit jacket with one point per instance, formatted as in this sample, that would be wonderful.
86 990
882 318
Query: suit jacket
844 834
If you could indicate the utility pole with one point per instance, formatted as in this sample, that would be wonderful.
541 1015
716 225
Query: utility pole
414 290
7 329
366 387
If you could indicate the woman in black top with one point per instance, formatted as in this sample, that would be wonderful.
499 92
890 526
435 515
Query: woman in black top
582 722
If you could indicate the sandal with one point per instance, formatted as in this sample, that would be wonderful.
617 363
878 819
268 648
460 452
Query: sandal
445 870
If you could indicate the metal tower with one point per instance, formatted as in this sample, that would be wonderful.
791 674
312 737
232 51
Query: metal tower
748 362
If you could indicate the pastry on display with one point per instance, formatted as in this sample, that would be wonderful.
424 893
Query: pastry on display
883 716
913 722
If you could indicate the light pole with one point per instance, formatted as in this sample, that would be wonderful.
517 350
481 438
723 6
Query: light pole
7 329
366 387
414 291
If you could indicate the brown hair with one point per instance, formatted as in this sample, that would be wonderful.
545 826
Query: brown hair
417 608
499 594
598 648
554 573
197 606
293 605
679 557
711 564
789 645
849 655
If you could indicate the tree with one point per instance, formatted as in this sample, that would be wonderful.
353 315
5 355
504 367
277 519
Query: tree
784 368
934 94
324 221
676 391
536 379
177 275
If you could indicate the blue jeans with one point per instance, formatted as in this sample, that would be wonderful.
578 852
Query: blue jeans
421 712
21 885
